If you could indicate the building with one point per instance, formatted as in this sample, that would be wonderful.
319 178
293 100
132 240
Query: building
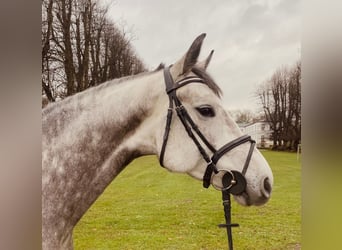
260 131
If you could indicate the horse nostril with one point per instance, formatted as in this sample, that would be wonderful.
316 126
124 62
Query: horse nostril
266 188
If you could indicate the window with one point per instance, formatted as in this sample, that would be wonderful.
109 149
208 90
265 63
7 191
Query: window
262 127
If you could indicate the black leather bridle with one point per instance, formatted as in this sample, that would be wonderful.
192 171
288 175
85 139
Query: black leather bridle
234 181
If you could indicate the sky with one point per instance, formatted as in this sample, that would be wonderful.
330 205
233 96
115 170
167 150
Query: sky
251 38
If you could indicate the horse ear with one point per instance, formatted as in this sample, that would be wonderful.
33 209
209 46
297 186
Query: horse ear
204 64
189 59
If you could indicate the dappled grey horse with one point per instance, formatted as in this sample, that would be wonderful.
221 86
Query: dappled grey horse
90 137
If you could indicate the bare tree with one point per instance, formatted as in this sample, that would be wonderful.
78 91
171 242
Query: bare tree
281 102
81 48
64 17
295 104
47 19
242 115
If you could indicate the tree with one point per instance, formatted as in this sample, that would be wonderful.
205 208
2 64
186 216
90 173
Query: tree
280 98
242 115
295 104
47 20
81 48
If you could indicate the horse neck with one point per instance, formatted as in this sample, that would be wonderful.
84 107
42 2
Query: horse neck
123 112
96 134
110 113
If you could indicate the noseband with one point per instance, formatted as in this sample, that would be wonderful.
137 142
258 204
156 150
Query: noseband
232 181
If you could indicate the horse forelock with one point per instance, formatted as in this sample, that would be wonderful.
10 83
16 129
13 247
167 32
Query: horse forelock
209 81
200 72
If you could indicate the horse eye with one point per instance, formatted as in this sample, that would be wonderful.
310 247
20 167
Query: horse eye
206 111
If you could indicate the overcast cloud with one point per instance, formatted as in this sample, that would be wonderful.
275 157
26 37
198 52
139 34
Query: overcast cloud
251 39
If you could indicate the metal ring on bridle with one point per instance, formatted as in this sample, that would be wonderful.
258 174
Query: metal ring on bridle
232 183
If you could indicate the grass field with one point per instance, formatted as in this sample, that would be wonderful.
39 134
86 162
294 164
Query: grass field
147 207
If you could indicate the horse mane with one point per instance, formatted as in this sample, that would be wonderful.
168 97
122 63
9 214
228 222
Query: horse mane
121 79
200 72
130 77
160 66
94 89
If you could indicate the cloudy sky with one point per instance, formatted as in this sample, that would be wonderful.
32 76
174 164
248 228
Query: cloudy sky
251 38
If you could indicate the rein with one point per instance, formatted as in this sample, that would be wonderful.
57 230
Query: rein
233 182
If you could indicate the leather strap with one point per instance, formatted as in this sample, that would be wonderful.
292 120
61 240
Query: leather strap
225 149
183 115
229 146
190 126
169 84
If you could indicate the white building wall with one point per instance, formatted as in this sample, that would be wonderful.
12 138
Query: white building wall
260 132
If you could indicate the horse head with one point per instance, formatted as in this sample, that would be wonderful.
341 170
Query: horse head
191 144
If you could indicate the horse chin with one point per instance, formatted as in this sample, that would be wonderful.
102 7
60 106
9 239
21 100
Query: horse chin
245 199
196 175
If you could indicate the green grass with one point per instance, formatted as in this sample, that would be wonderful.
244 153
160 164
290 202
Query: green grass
146 207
